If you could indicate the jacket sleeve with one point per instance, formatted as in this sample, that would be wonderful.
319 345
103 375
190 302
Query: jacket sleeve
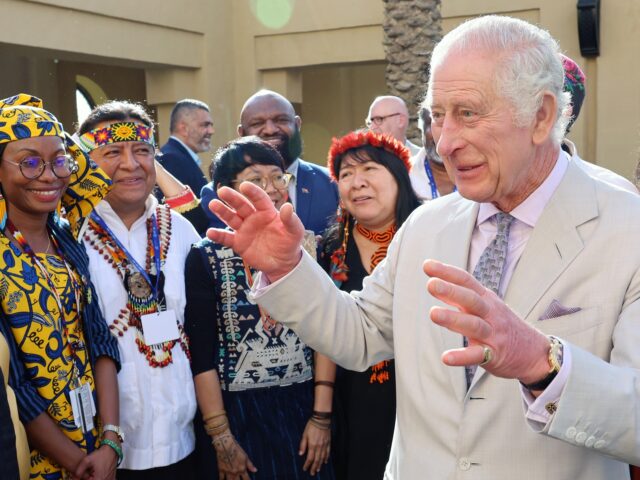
206 195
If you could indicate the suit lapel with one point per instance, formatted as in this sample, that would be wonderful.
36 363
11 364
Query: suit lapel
555 241
303 192
452 247
554 244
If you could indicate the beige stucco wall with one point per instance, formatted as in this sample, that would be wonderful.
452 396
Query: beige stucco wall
326 56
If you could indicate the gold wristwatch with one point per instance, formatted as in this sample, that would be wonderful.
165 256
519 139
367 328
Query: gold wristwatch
555 363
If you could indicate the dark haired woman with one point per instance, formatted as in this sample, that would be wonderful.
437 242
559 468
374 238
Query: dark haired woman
372 172
253 376
137 250
63 359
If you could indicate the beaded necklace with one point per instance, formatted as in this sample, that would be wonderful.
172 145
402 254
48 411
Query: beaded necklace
144 295
381 238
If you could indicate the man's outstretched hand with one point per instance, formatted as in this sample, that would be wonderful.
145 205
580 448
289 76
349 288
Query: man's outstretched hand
267 239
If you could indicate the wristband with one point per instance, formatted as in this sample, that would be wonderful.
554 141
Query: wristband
115 447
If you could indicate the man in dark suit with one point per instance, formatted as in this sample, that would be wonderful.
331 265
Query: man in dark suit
271 117
191 128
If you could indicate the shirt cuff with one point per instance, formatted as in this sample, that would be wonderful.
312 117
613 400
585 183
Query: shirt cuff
540 410
261 284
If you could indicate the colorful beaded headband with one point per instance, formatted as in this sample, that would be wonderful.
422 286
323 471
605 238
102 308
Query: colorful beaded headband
361 138
117 132
22 116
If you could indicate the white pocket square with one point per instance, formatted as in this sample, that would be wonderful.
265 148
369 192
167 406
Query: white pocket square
556 309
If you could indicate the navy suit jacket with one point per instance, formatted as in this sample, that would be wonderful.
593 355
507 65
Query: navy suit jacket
316 198
179 163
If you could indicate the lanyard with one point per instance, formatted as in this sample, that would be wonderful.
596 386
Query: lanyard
155 240
45 273
432 180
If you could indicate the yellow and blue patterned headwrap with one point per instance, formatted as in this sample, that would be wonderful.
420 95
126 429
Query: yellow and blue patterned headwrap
22 116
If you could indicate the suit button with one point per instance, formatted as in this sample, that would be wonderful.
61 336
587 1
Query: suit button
464 463
570 433
590 441
599 444
581 438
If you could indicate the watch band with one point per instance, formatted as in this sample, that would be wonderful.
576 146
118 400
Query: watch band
115 429
555 363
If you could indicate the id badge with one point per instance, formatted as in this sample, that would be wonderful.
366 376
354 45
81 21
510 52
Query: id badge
160 327
83 407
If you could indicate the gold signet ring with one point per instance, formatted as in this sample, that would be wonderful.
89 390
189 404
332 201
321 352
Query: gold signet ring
487 355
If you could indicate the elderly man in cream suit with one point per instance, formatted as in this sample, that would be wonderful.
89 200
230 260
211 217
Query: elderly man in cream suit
529 367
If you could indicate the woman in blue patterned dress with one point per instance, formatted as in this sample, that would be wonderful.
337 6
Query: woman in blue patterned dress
254 377
63 358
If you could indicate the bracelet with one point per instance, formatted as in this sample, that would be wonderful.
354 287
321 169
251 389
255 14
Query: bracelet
321 415
213 415
183 202
115 447
212 431
321 426
324 383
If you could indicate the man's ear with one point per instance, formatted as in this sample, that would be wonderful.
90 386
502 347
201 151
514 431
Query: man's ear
545 118
240 130
298 121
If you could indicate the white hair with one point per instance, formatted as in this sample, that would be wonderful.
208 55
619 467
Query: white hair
528 65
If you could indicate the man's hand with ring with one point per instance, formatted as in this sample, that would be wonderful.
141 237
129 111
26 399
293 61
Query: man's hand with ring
501 342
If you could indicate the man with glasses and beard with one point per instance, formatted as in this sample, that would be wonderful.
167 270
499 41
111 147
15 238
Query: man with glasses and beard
271 117
429 178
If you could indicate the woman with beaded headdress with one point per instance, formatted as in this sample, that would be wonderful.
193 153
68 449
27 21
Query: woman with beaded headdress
262 392
372 172
63 359
137 250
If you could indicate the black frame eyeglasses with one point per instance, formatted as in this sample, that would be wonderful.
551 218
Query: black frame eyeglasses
32 167
377 120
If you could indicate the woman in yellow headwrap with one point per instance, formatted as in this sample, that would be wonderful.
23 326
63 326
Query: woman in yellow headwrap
63 358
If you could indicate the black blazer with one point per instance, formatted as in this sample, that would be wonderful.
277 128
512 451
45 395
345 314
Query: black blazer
179 163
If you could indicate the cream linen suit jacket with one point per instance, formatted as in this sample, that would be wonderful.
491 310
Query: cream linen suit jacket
584 252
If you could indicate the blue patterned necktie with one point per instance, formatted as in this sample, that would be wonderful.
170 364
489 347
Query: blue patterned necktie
490 267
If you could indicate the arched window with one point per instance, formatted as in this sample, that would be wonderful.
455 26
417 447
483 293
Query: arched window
84 103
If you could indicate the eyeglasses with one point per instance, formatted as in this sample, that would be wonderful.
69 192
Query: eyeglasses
379 119
279 181
33 167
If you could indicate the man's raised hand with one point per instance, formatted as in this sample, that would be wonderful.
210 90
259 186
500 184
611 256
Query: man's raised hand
266 239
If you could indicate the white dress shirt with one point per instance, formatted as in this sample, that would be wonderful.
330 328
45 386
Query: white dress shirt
418 176
157 405
293 170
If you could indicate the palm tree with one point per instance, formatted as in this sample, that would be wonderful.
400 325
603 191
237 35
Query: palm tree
411 30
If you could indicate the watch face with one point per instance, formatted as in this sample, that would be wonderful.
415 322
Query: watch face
555 354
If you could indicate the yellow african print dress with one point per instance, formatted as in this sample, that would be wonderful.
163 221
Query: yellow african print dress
51 343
